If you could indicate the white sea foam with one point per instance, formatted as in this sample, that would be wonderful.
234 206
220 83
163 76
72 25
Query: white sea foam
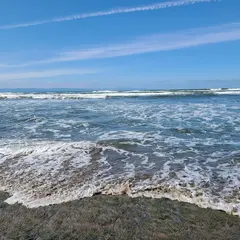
175 189
44 164
215 89
113 94
105 91
195 197
234 89
234 92
123 134
43 173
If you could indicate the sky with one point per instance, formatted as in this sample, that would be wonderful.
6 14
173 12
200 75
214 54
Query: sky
119 44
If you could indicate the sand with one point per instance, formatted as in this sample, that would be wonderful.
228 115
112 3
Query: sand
116 217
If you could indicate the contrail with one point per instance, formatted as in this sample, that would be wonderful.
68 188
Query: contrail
151 7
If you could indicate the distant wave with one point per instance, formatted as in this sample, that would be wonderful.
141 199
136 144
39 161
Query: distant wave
119 94
234 89
105 91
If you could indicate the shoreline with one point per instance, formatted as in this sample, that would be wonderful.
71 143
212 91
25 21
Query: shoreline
151 192
116 217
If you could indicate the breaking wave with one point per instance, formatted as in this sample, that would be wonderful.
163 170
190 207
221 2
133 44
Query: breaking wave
119 94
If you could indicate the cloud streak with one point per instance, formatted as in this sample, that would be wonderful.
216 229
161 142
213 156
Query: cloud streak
149 44
114 11
157 43
44 74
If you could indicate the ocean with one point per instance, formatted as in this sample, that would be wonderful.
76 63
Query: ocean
58 146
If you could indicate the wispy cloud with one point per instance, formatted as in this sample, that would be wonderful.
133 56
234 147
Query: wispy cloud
44 74
154 43
113 11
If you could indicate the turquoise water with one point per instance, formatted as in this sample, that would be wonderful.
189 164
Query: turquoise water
60 146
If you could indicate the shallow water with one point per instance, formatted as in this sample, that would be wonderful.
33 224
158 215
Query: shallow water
184 145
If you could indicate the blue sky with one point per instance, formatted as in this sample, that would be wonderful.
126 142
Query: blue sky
119 44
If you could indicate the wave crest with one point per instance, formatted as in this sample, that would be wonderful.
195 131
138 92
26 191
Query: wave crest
115 94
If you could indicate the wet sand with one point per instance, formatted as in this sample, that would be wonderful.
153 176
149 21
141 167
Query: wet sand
116 217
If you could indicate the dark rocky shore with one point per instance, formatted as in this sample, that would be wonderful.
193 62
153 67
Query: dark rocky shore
116 217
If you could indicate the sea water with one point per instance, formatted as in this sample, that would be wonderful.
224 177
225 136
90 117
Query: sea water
59 146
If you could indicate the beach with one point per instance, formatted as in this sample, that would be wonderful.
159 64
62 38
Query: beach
116 217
